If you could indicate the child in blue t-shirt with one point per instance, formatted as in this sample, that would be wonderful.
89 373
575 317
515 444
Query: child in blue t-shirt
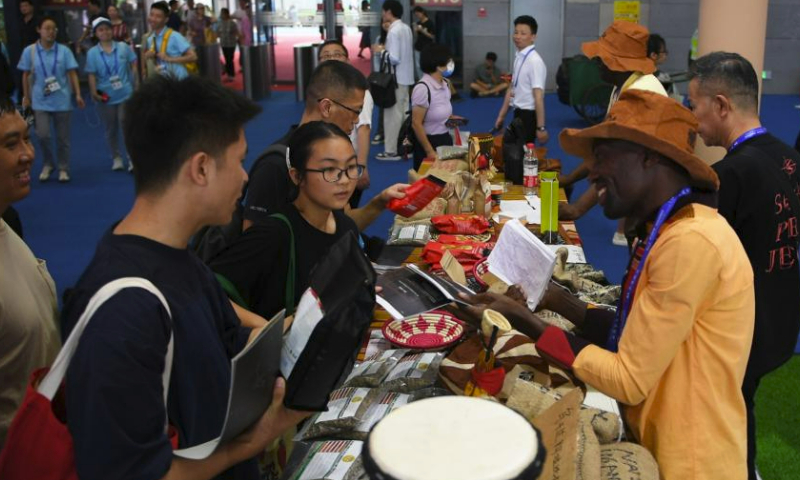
111 67
49 79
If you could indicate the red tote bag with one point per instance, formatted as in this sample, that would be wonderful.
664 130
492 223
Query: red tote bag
38 445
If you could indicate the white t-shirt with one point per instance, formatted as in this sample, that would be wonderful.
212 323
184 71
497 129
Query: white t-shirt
29 337
364 119
530 72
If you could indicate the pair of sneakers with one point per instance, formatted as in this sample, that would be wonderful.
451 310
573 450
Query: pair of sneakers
47 170
118 165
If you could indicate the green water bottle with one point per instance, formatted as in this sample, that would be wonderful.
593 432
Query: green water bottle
548 191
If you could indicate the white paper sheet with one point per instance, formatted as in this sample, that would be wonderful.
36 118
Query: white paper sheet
308 315
519 258
576 254
519 209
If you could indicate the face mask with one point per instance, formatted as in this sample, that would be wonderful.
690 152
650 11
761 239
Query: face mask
451 67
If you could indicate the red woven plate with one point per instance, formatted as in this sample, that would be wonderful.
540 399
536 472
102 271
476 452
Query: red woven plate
427 331
479 270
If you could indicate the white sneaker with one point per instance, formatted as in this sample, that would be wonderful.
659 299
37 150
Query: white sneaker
388 157
45 175
619 239
63 176
118 164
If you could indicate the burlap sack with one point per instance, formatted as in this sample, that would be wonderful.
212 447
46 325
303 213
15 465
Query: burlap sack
627 461
573 452
532 399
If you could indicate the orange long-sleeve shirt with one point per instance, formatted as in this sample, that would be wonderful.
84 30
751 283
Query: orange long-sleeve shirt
684 349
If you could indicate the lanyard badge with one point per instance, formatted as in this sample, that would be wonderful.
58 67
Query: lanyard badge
51 84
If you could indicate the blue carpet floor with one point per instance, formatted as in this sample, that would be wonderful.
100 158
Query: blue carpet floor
64 222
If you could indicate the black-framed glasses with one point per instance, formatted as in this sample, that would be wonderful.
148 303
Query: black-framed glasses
333 56
334 174
357 112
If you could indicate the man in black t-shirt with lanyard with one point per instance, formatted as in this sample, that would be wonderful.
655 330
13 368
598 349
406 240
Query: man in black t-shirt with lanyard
759 195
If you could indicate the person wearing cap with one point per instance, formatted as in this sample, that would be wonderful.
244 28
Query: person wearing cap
625 64
111 67
526 93
674 353
758 193
166 51
49 79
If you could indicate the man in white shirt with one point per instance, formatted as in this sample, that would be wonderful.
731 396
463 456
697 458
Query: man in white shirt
399 46
335 50
526 93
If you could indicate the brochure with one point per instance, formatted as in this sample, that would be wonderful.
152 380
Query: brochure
253 374
410 291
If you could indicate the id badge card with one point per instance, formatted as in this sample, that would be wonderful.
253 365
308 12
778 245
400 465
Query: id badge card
51 85
116 83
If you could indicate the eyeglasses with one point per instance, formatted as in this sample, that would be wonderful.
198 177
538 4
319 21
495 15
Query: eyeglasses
334 174
357 112
333 56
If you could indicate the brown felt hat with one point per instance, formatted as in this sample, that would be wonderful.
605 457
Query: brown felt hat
653 121
622 47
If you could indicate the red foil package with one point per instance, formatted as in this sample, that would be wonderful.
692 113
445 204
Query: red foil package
467 254
418 196
461 224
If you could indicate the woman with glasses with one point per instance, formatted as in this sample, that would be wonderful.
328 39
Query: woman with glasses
324 172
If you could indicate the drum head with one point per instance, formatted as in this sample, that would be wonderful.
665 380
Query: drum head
453 437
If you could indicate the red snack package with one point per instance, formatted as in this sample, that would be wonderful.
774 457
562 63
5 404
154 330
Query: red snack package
460 224
467 254
418 196
448 239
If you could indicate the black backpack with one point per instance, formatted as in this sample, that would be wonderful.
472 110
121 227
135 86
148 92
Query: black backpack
407 140
562 81
213 239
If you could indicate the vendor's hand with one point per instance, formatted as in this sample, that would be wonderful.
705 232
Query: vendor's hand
542 137
502 304
398 190
272 424
516 293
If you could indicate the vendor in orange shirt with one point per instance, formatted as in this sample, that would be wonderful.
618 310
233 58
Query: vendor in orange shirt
675 352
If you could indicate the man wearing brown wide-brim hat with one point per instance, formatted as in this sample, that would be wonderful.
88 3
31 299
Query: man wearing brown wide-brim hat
675 351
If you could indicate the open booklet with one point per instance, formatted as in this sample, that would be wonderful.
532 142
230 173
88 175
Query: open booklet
253 374
410 291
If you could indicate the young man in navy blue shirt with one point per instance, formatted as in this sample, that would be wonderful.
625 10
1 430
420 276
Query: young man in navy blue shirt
189 174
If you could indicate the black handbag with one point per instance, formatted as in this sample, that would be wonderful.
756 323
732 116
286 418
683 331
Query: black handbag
382 84
344 282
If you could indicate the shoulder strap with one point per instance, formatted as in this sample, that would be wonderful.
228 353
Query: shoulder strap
291 273
775 171
52 381
272 149
33 57
426 87
165 40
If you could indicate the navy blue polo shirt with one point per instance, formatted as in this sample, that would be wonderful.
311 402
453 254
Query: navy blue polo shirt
115 403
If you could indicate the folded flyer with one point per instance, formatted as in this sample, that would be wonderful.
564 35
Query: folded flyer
410 291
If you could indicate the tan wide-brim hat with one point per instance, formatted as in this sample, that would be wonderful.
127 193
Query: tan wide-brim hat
623 48
653 121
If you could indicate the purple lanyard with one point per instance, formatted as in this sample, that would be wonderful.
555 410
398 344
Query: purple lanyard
627 295
516 77
747 136
39 52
